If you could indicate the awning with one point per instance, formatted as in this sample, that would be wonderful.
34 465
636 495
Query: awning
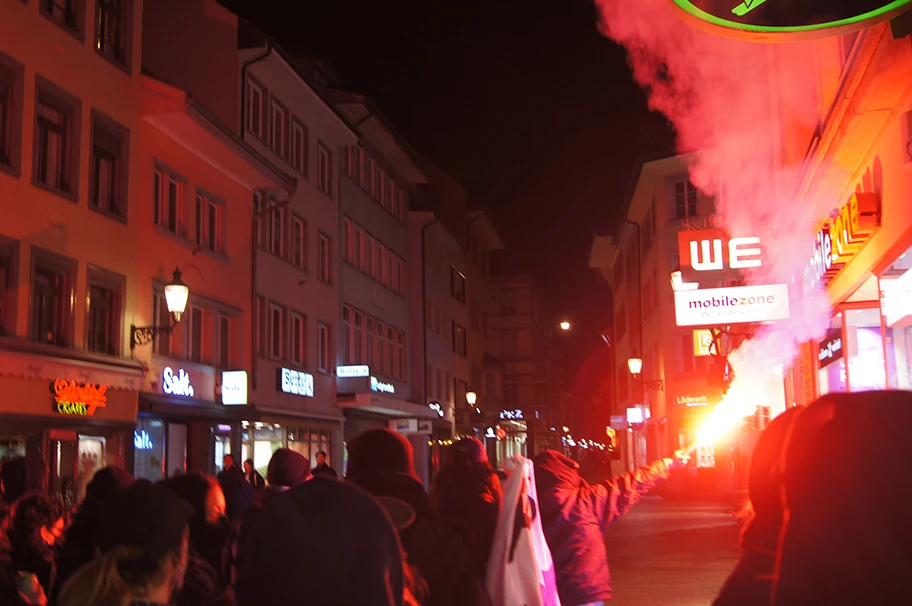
386 405
193 408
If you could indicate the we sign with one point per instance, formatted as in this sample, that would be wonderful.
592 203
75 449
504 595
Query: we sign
710 255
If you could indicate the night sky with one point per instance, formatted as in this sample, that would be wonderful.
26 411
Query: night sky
524 102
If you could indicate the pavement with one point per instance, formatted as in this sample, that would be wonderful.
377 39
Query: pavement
672 553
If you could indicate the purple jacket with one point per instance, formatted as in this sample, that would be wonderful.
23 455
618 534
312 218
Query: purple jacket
575 515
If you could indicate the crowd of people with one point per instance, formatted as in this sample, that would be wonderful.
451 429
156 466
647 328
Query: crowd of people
301 535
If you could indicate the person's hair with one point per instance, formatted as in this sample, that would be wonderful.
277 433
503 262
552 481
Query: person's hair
30 513
249 461
229 456
321 452
107 581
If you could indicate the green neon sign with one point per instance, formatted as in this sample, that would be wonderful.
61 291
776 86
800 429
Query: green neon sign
784 19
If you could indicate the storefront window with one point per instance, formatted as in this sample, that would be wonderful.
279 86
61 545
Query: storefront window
864 350
830 359
177 449
221 442
11 447
896 303
149 449
260 440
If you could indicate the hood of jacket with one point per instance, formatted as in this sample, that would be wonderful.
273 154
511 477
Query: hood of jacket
555 473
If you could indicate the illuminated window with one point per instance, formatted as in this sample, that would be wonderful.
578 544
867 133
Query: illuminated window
685 200
324 250
109 29
299 146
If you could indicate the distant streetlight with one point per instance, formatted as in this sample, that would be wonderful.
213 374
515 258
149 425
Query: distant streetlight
471 398
565 325
566 429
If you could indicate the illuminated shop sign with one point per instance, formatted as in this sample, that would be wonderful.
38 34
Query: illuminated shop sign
703 343
513 415
381 387
693 401
78 400
635 415
489 433
830 349
436 407
141 440
176 384
841 239
896 301
295 382
787 19
709 254
234 387
351 372
733 305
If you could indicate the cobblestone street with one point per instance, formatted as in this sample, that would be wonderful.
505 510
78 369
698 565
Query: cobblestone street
671 553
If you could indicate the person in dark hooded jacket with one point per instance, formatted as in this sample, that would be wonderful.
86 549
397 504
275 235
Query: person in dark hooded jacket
467 496
380 461
751 582
847 532
575 515
80 539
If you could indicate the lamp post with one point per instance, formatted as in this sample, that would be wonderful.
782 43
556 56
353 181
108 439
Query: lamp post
176 295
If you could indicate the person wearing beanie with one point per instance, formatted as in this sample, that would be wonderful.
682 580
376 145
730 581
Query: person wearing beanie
80 538
289 562
286 469
380 461
144 543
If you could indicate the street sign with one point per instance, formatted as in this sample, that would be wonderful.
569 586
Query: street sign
787 19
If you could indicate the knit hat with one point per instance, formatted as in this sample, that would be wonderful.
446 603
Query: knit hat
147 516
360 561
380 450
287 468
106 481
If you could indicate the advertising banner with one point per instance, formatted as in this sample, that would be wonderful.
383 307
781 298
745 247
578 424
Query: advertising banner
733 305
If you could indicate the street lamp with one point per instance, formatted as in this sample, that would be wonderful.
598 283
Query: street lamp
565 325
176 295
635 366
471 398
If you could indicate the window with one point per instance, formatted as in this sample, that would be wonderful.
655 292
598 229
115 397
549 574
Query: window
400 353
457 285
685 200
369 347
224 342
276 319
324 249
358 349
400 262
11 77
272 228
324 351
475 315
162 317
259 329
278 136
63 12
53 144
687 353
357 244
389 362
347 239
194 329
368 176
168 202
298 339
108 187
381 189
324 169
52 311
346 335
255 118
381 345
109 29
459 339
7 282
298 242
209 224
299 146
370 263
384 264
103 323
394 271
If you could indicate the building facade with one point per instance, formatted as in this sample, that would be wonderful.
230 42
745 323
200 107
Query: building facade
296 272
70 107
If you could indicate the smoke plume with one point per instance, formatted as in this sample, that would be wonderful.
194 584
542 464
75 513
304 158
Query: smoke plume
731 102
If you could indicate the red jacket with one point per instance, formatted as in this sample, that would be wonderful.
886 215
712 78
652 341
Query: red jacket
575 515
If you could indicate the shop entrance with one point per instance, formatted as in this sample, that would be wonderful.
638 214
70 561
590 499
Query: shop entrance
74 459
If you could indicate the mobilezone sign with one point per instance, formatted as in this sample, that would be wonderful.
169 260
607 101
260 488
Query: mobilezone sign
733 305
